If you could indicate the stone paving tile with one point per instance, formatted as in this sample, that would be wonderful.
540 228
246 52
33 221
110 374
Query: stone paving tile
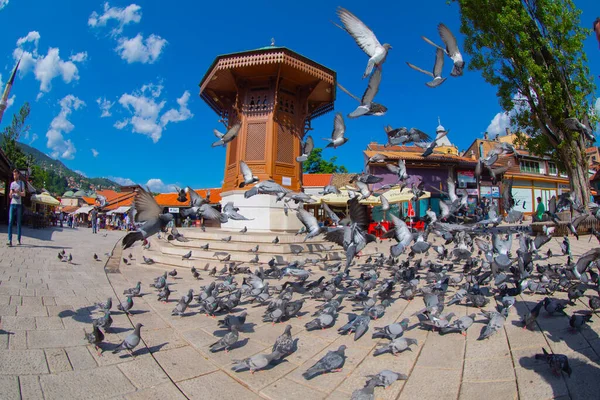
48 323
23 362
287 389
9 387
160 392
32 301
495 369
55 338
30 387
492 390
80 358
32 311
216 385
57 360
184 363
17 340
419 385
18 323
144 372
95 383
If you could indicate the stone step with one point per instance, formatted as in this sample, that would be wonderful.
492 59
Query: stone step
219 245
249 237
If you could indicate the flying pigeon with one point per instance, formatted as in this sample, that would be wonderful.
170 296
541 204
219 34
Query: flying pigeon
249 179
337 136
265 187
225 138
437 69
451 49
333 361
149 212
365 39
366 105
307 148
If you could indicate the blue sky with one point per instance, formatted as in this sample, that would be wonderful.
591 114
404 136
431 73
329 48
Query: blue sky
113 87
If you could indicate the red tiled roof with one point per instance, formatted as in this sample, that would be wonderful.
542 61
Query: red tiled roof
316 180
170 199
108 194
125 200
69 209
413 153
89 200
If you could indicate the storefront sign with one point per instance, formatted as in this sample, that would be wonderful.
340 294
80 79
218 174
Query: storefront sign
286 181
472 192
174 210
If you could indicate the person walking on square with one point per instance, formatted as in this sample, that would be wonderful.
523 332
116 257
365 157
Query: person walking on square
94 216
17 191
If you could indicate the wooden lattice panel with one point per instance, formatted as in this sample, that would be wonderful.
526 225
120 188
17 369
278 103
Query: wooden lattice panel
285 145
255 141
233 150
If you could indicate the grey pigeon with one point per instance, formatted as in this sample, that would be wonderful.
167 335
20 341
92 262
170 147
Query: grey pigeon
557 362
366 104
310 222
180 307
333 361
107 305
284 344
164 294
495 323
149 212
126 305
103 322
307 148
460 325
231 212
531 316
392 331
396 346
451 49
233 320
249 179
437 69
337 136
386 377
323 320
255 363
366 393
225 138
265 187
131 341
577 321
226 341
359 325
365 39
134 291
95 337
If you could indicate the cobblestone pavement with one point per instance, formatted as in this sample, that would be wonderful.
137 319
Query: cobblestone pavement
45 305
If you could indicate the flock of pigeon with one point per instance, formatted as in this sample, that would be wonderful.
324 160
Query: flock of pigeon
474 265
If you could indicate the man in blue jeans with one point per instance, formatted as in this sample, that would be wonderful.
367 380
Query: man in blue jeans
94 217
17 191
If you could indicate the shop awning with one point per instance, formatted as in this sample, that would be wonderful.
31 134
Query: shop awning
394 195
45 198
120 210
84 210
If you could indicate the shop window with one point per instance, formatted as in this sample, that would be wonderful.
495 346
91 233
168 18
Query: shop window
552 169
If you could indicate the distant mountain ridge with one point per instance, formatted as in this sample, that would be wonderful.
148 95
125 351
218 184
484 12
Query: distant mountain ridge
72 179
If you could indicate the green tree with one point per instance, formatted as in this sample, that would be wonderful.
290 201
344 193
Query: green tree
316 164
12 133
532 51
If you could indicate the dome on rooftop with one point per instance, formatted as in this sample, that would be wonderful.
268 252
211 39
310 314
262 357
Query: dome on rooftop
93 195
68 193
79 193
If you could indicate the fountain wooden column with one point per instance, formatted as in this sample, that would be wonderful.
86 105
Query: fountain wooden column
275 93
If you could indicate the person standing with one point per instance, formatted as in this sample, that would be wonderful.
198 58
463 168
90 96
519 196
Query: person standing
94 216
540 210
17 191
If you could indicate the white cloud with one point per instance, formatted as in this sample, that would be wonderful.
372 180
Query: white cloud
34 137
105 106
139 49
158 186
502 120
95 153
130 14
121 181
3 4
146 109
56 142
48 67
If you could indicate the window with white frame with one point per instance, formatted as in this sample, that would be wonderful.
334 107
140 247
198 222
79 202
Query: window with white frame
552 169
532 167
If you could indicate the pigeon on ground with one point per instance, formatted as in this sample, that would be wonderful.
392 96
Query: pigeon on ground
359 325
106 305
149 212
226 341
365 39
577 321
127 305
284 344
134 291
391 331
187 255
95 337
276 240
180 307
396 346
164 294
337 136
365 393
255 363
131 341
147 260
249 179
225 138
103 322
557 362
233 320
386 377
96 258
324 320
451 49
437 69
333 361
460 325
495 323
